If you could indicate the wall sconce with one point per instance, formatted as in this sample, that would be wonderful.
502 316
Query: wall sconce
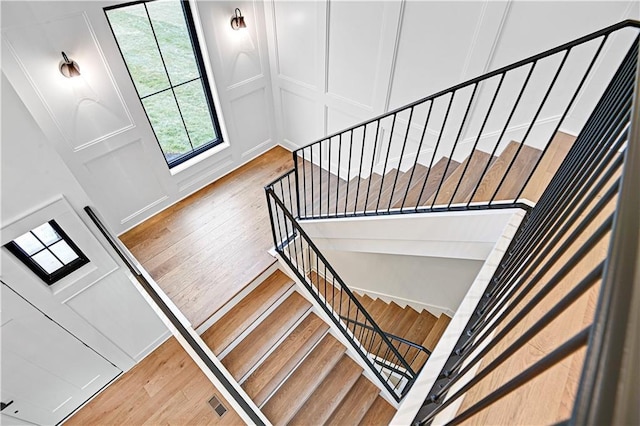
68 67
237 20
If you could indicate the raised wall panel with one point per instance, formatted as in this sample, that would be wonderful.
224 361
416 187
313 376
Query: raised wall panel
238 51
118 309
354 49
301 121
251 115
435 40
338 120
130 188
297 48
87 109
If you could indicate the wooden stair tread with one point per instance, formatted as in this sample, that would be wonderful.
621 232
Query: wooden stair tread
388 184
286 401
365 301
407 185
403 324
523 163
436 332
519 173
268 376
494 173
421 327
390 316
439 172
355 404
556 152
358 189
418 333
329 394
431 340
380 413
260 340
377 308
466 183
219 336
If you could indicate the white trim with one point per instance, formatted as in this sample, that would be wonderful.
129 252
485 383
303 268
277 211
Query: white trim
414 399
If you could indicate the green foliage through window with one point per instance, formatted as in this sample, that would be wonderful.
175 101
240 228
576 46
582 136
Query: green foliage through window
157 39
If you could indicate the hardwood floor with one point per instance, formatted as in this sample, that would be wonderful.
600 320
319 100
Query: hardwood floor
166 388
204 249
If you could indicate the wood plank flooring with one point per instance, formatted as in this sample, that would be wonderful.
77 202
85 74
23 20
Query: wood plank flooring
204 249
166 388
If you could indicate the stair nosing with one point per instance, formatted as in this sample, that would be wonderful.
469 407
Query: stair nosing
275 345
284 380
232 345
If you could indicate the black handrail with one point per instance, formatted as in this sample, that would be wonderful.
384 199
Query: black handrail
571 209
629 23
389 335
325 185
602 167
302 256
175 321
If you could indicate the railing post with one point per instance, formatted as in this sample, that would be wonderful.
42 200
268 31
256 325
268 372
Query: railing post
295 168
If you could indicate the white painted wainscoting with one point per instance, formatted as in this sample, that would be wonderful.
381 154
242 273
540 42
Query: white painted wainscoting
96 122
337 63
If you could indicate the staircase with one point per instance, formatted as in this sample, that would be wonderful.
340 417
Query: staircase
480 178
423 328
294 369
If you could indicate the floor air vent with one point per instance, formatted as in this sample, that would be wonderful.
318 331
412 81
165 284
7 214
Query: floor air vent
217 406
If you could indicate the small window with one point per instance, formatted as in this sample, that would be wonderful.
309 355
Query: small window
48 252
158 42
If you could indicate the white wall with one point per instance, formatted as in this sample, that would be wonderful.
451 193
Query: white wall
456 235
354 60
97 124
98 303
427 261
433 283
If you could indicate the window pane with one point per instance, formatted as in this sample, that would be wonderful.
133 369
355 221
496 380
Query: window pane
29 243
173 37
47 261
194 107
165 119
46 234
138 46
65 253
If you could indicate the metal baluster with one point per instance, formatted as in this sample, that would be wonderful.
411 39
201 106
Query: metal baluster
435 150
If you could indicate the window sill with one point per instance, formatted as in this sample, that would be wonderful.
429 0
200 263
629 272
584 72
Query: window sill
198 158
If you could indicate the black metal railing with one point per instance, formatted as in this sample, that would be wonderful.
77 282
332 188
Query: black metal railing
396 362
560 259
436 153
578 246
413 353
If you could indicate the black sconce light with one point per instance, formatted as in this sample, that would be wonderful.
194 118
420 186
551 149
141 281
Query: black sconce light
68 67
237 20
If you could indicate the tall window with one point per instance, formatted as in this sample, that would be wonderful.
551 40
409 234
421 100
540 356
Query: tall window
158 43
